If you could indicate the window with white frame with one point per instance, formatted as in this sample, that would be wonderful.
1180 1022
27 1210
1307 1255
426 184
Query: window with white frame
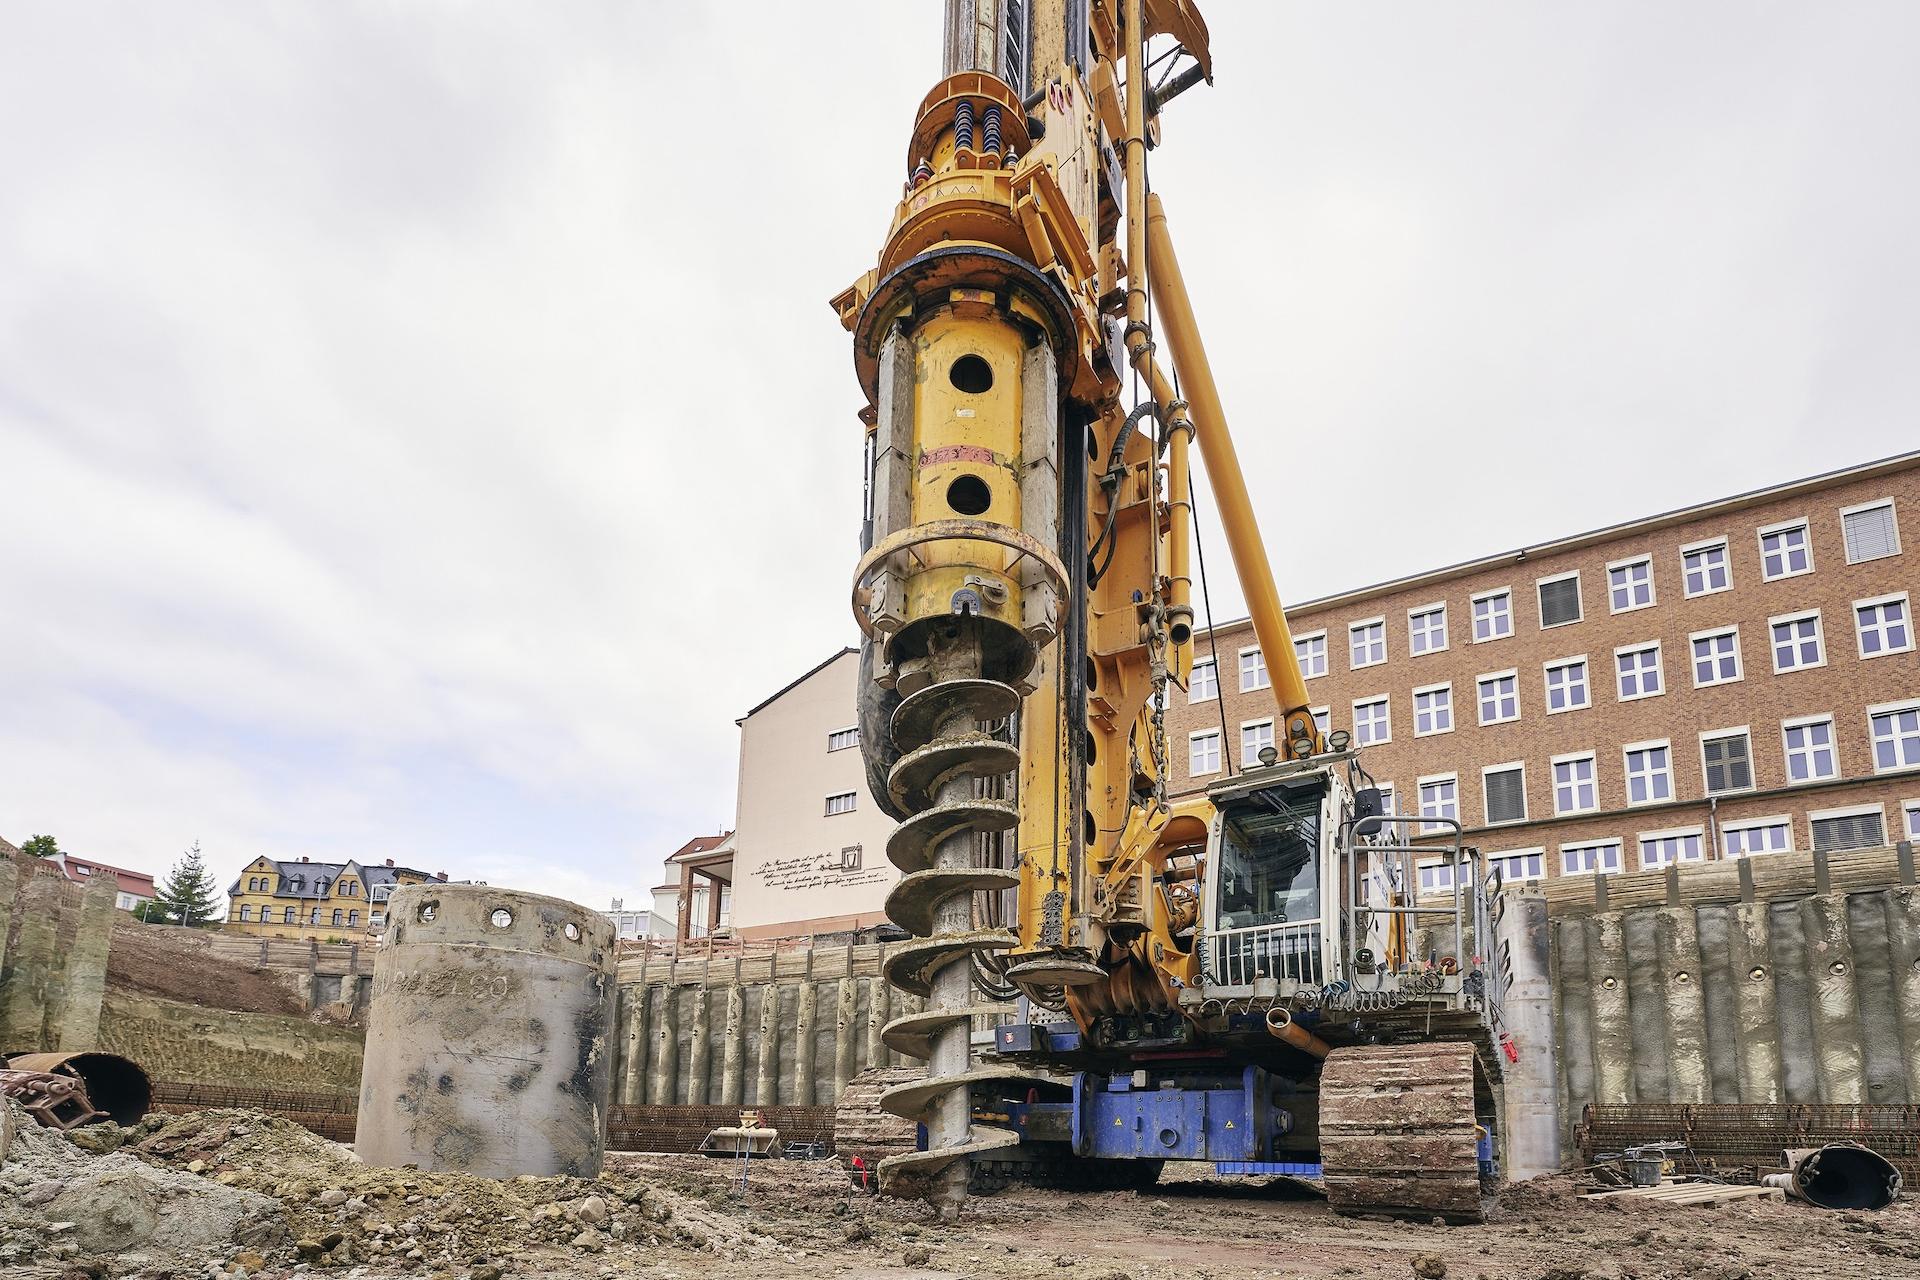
1895 730
1630 584
1755 835
1203 752
1492 615
1797 642
1667 848
1591 857
1883 625
840 803
1427 629
1499 697
841 739
1649 772
1726 760
1322 719
1809 748
1559 600
1254 735
1372 722
1310 651
1432 710
1785 551
1203 685
1567 685
1870 531
1521 864
1860 827
1367 643
1703 568
1253 670
1440 798
246 912
1386 796
1637 669
1912 810
1436 878
1504 789
1716 656
1574 790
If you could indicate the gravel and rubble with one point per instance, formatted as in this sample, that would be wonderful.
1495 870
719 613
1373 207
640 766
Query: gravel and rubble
61 1202
237 1195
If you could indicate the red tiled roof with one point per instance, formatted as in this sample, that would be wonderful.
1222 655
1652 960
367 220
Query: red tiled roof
699 845
136 882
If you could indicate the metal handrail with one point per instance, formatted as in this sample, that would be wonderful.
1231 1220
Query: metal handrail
1446 842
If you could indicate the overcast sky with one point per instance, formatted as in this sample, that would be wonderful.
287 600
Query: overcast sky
423 431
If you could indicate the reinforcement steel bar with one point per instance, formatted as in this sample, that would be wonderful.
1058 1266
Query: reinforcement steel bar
1748 1135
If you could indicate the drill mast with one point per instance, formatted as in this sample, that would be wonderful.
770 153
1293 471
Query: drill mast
1024 591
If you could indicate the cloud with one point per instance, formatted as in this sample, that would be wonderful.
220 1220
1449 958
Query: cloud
422 430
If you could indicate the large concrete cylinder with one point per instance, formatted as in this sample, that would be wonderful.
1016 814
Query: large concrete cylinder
489 1041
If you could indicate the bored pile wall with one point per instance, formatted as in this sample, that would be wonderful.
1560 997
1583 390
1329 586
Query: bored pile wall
1776 981
702 1031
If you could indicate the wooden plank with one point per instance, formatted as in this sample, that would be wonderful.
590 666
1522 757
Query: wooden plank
1775 876
1691 1193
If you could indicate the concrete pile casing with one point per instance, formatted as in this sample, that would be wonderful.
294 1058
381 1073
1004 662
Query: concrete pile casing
488 1040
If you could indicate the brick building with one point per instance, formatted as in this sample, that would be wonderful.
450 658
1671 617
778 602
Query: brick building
1734 678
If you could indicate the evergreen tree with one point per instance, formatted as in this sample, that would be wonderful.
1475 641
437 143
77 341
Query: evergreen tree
40 846
188 896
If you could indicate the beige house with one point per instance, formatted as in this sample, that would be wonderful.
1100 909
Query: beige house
808 855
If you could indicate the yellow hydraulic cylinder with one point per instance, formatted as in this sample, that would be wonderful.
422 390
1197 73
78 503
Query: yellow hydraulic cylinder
1228 482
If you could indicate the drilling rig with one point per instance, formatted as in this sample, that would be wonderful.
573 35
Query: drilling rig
1109 976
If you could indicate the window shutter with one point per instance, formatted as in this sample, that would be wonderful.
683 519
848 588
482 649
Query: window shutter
1559 602
1506 796
1728 767
1870 534
1856 831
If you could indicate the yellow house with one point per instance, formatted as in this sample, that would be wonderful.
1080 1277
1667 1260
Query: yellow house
274 898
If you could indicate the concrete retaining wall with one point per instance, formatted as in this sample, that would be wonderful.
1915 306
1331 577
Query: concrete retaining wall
1779 980
706 1040
54 937
181 1042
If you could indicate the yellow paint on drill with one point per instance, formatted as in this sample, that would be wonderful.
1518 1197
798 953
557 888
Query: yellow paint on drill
966 441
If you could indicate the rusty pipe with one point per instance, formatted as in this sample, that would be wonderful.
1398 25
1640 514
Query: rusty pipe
115 1087
1282 1027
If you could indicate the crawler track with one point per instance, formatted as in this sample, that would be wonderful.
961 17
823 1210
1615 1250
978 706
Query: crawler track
1397 1131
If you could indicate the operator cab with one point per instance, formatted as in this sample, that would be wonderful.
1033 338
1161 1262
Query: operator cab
1314 893
1271 859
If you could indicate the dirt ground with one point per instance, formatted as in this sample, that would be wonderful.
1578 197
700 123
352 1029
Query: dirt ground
1240 1229
176 964
235 1195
